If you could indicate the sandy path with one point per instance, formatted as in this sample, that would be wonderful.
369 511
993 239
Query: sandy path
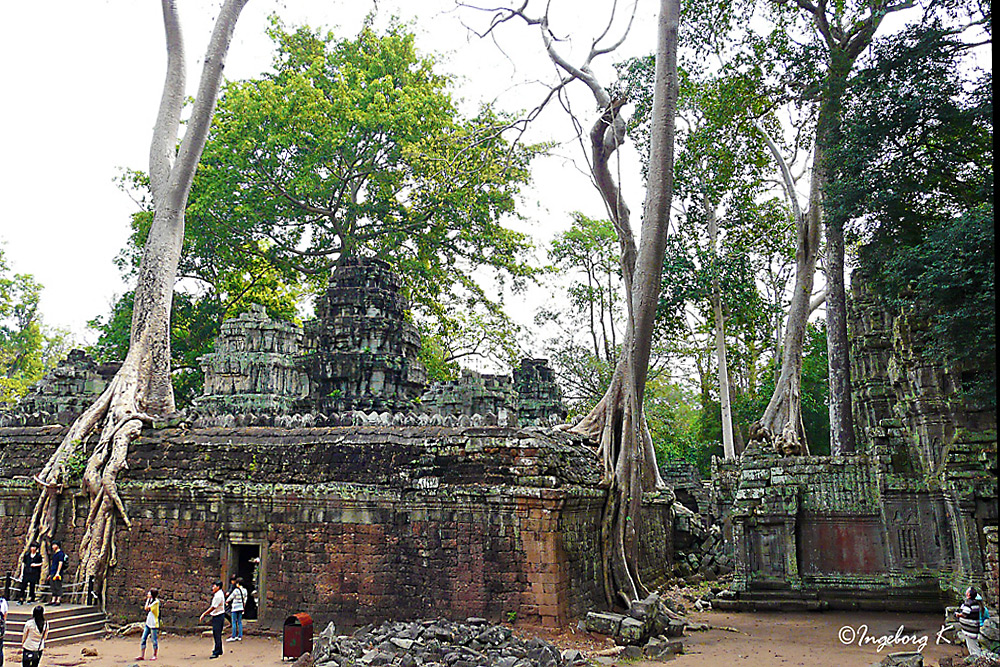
762 640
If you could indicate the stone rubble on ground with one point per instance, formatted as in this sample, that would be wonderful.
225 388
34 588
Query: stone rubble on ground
437 643
650 629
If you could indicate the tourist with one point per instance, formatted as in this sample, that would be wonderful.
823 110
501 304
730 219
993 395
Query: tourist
33 638
217 611
31 573
152 625
968 617
56 571
236 601
3 624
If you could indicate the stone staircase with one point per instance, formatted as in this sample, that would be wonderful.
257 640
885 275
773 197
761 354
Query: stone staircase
926 598
67 623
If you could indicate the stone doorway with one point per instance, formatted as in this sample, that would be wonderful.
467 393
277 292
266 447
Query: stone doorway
246 560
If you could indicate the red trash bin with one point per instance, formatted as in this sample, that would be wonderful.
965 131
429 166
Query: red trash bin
297 637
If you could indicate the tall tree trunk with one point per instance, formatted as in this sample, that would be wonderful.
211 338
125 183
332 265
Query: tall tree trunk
842 439
781 425
837 345
618 420
728 445
846 36
141 390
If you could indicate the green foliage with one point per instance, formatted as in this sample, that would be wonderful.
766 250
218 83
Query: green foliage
435 359
75 465
351 147
815 393
916 177
27 347
354 146
676 424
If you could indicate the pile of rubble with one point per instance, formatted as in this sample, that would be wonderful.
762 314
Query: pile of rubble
651 629
701 553
436 643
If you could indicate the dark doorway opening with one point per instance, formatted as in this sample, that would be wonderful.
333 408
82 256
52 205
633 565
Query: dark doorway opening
247 567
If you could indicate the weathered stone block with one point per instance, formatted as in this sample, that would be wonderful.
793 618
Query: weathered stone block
604 623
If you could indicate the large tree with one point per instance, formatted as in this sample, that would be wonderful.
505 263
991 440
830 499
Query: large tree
356 146
914 175
730 224
617 422
141 390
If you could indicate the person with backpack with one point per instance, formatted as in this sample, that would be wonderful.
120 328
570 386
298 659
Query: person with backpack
237 603
36 629
57 570
969 618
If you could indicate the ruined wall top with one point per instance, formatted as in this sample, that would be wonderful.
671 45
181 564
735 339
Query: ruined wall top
361 352
910 408
68 389
393 456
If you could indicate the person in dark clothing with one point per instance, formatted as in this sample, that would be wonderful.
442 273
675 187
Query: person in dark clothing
968 617
31 573
56 572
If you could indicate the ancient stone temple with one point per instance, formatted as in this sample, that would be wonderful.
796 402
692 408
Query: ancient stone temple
252 368
309 468
360 352
68 389
908 521
539 397
472 394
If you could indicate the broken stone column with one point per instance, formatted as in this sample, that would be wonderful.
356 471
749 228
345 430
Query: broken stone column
252 368
472 394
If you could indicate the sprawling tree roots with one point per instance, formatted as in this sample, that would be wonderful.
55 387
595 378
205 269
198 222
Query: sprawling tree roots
626 452
780 428
114 414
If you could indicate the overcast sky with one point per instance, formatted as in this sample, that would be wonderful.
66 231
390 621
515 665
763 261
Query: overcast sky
82 82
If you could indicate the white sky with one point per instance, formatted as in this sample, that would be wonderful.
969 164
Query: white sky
82 82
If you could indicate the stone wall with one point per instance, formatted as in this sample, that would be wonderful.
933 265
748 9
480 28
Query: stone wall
252 367
67 390
991 582
353 524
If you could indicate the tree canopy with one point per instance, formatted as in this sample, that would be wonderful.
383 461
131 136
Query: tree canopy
355 146
915 177
27 347
348 146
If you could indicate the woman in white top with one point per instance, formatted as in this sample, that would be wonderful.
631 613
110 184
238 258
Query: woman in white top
237 601
33 638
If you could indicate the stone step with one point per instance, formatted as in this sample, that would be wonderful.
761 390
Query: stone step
67 623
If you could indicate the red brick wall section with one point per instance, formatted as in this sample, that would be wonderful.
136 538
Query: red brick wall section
347 555
498 523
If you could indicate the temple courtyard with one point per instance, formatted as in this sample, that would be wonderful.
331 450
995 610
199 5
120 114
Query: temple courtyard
760 639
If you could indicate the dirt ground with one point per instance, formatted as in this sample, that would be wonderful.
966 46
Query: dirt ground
755 640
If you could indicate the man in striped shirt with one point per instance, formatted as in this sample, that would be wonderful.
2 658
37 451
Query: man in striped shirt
968 618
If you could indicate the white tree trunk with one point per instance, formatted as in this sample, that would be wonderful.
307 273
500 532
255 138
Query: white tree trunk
141 389
728 444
